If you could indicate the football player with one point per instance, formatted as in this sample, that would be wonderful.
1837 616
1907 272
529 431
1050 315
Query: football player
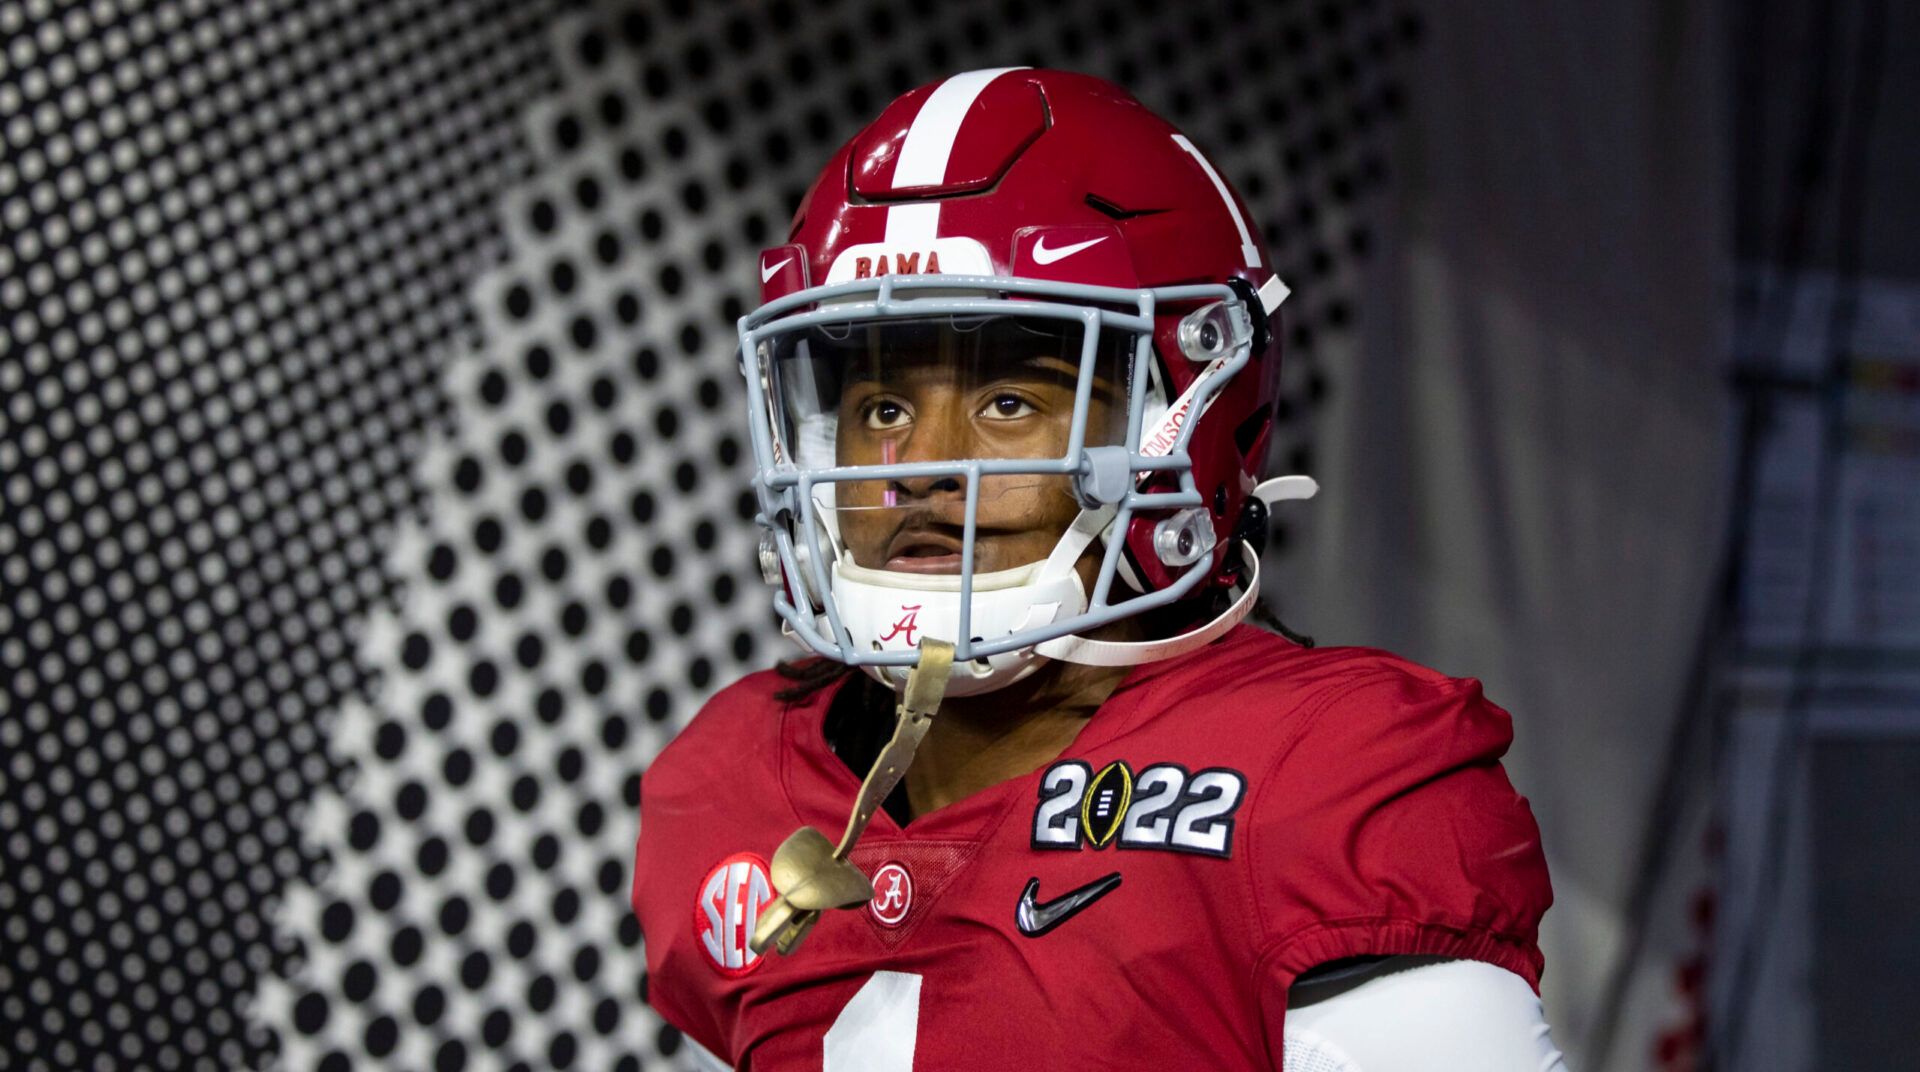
1010 387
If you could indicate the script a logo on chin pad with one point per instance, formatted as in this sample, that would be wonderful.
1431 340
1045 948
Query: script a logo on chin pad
905 627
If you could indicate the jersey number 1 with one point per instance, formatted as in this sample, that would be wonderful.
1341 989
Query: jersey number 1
876 1029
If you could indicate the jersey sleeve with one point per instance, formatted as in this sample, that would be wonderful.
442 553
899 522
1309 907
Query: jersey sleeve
697 801
1388 827
674 987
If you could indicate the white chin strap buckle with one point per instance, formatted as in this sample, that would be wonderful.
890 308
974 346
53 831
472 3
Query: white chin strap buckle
1272 293
1282 488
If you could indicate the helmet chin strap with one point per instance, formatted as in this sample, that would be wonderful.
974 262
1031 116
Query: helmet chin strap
877 606
1089 652
1056 578
1079 649
1026 597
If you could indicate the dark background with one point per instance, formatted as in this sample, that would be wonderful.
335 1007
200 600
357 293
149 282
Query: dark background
373 478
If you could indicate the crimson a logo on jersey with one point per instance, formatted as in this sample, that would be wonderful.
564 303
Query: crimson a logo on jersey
727 909
892 894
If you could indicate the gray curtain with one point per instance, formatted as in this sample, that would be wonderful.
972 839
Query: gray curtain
1523 465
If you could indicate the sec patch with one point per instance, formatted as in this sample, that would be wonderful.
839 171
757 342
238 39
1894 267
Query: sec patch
728 908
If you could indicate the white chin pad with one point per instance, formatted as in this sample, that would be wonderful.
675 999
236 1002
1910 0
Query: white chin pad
885 610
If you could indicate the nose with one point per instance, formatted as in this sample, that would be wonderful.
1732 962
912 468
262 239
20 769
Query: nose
938 440
928 487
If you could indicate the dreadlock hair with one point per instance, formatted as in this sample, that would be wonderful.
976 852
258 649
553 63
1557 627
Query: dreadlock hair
1268 617
809 675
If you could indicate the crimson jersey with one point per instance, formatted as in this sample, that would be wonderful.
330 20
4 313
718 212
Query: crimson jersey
1224 822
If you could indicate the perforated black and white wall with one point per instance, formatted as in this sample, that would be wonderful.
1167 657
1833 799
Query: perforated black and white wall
374 480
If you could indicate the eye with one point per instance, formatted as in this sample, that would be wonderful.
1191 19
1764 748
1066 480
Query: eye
1007 407
885 413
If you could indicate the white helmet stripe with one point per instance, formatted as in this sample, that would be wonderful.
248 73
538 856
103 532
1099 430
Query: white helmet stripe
912 226
1247 247
924 153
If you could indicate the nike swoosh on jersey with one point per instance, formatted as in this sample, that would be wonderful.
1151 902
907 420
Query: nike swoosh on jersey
766 271
1043 255
1036 918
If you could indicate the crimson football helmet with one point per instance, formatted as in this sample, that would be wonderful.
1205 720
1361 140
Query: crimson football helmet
999 247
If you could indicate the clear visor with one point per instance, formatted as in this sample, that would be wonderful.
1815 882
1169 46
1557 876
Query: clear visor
941 390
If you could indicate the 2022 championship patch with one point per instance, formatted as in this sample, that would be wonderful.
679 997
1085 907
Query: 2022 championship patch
1165 806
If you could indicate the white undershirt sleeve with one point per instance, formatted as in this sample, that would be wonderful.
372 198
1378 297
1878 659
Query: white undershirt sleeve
1407 1016
1451 1016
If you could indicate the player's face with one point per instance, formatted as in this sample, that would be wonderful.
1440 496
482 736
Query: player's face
941 396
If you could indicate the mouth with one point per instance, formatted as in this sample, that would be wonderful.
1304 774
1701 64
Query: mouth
922 550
